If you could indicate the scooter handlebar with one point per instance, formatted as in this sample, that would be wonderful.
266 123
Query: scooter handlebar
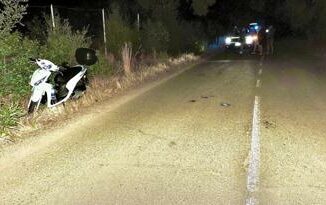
62 68
32 60
59 72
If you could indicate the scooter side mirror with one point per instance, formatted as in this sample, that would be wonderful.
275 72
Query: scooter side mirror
32 60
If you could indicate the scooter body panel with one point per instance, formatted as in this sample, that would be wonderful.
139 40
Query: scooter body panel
39 76
73 82
41 87
71 85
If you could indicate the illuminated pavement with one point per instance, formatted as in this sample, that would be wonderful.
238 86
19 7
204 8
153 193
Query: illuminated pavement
176 144
293 138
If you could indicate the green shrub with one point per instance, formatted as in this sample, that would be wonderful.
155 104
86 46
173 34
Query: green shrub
15 68
102 67
62 41
9 116
119 32
194 38
11 13
35 29
155 37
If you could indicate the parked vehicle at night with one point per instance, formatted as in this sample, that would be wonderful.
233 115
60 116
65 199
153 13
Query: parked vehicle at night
244 41
232 42
251 39
68 82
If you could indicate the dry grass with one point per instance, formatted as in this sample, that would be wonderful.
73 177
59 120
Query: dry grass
100 89
126 54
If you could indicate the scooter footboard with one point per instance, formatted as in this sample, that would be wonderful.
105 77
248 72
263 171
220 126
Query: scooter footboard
73 82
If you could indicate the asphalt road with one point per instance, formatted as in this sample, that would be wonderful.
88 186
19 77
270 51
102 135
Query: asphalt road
186 141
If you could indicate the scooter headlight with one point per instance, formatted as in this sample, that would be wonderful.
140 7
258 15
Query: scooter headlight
228 41
38 82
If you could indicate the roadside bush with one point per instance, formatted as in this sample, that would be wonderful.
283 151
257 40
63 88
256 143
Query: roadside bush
11 13
9 116
119 33
15 68
194 38
155 37
102 67
177 43
62 41
35 29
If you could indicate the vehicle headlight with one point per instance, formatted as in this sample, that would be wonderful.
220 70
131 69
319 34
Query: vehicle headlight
249 40
39 82
228 41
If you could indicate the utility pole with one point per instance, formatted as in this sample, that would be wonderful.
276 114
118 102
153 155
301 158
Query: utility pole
138 21
52 16
104 32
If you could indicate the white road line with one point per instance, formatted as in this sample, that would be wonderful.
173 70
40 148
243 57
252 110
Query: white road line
260 71
258 83
253 170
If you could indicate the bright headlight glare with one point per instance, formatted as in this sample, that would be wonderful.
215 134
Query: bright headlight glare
228 40
249 40
237 44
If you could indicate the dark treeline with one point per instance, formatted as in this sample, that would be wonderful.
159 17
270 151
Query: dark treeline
296 18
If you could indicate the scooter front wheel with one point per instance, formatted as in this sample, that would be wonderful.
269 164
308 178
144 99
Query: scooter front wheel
32 107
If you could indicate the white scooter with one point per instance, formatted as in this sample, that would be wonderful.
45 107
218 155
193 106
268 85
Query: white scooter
68 81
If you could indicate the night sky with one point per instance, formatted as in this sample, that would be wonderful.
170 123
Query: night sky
70 3
224 13
56 2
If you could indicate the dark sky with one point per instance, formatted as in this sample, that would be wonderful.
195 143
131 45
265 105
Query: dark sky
56 2
69 3
83 12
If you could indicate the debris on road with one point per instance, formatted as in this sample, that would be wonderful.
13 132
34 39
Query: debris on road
172 143
225 104
269 124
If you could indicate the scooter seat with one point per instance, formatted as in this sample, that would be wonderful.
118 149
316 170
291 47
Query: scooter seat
61 79
66 74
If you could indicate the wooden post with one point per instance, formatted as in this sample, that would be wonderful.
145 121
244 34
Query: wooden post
138 21
104 33
52 16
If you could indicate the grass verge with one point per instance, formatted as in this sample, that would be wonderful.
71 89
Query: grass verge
101 88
